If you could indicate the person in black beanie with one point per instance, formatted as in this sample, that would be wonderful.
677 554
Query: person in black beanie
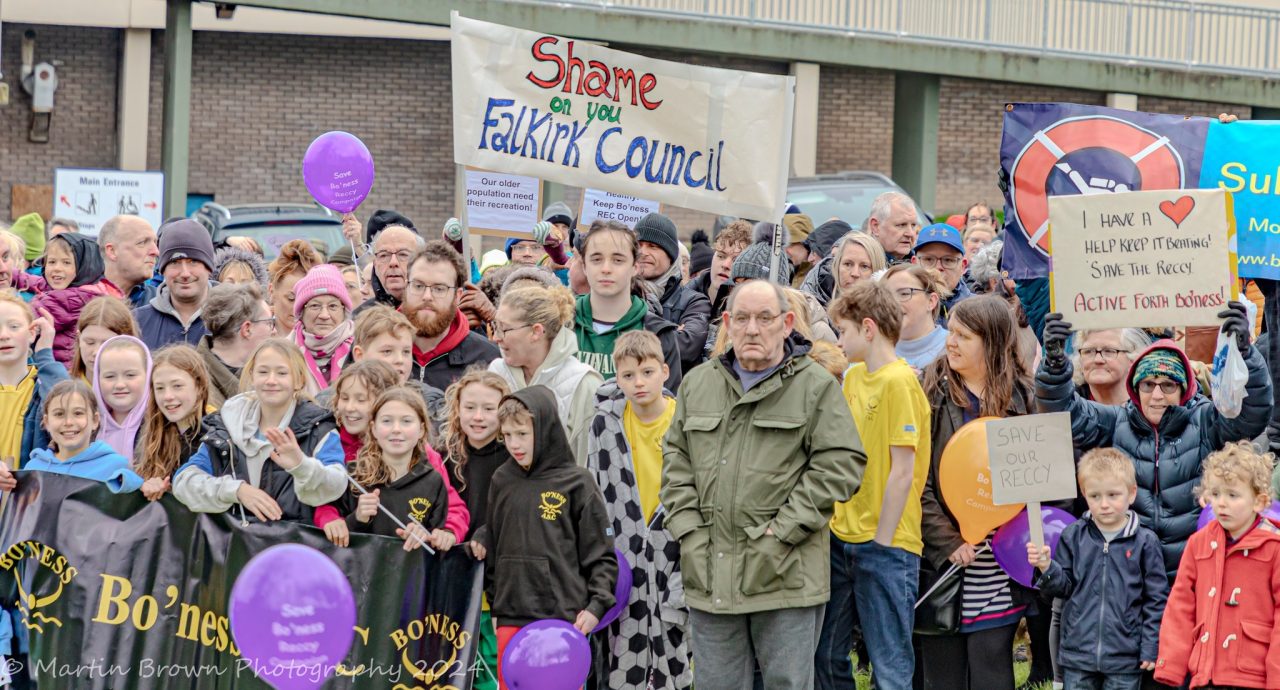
700 252
402 242
820 280
186 262
659 263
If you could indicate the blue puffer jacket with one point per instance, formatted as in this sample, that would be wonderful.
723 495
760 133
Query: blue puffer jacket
1168 457
1115 595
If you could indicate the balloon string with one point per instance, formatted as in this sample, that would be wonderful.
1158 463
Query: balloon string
393 517
355 258
946 576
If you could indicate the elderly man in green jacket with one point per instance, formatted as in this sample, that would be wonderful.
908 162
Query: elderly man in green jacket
761 447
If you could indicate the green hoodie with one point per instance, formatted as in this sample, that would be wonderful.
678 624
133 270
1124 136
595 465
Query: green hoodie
596 349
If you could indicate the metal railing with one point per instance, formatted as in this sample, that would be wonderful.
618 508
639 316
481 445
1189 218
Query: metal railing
1198 36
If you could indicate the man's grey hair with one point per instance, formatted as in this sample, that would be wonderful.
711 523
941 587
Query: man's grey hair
784 304
67 223
985 266
421 241
883 204
228 306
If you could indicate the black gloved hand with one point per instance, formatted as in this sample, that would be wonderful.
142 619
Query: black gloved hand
1236 322
1002 180
1056 334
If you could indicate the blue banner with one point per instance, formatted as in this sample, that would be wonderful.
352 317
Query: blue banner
1244 159
1051 149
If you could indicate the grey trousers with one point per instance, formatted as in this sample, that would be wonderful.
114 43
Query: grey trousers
727 647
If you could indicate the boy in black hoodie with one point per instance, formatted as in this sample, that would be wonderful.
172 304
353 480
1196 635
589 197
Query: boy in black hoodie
548 531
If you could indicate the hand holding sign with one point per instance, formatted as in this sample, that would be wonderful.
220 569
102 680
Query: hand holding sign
338 171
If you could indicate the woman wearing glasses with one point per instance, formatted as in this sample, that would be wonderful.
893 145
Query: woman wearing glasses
1164 425
1101 361
533 330
920 291
323 329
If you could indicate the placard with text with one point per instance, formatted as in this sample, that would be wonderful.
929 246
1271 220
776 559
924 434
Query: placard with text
1031 459
502 204
598 204
1142 259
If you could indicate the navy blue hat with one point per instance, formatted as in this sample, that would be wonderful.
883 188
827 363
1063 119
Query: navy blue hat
940 233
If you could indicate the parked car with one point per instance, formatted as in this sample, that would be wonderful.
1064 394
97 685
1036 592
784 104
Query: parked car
843 195
271 225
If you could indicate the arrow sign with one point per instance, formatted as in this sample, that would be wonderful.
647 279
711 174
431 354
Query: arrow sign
149 204
64 201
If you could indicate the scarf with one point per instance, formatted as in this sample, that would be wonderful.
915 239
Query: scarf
329 351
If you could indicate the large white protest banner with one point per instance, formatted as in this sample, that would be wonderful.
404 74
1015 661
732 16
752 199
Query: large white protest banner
1142 259
710 139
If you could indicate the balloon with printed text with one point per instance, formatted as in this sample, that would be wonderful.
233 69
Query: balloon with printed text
964 477
292 616
338 171
1009 545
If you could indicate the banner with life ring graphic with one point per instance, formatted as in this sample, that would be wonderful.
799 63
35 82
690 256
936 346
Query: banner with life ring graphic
1057 149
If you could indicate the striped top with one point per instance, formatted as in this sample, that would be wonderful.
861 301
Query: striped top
986 599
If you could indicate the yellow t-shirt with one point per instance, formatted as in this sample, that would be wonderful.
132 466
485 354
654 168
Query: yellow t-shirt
890 409
14 401
645 441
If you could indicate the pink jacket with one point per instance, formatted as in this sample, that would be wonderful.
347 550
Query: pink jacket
64 306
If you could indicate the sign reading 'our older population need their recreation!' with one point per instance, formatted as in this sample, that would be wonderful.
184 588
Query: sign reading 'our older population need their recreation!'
710 139
502 204
1143 259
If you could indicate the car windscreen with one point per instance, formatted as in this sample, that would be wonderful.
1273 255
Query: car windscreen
272 235
848 202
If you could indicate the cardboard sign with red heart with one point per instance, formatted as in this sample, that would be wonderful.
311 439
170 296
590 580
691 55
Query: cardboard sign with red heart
1142 259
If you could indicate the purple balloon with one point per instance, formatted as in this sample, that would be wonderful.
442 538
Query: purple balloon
338 171
621 592
546 655
1207 516
1010 542
293 616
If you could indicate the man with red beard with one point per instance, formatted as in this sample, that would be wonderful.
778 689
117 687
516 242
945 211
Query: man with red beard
443 346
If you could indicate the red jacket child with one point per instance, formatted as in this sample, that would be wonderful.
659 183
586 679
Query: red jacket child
1220 623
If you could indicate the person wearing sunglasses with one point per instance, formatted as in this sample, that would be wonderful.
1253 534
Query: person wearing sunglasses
1165 426
941 248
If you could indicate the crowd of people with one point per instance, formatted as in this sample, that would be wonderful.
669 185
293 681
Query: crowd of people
763 449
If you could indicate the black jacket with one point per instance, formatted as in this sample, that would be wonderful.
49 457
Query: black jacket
419 495
473 479
310 424
549 542
690 311
1115 595
444 369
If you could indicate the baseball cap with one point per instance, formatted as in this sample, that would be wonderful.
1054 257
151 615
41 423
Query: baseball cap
940 233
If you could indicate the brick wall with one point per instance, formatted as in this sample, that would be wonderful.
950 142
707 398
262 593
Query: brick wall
969 125
258 100
83 131
855 120
1177 106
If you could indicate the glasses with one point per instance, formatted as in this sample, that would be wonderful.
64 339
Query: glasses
1166 387
980 219
313 307
500 331
401 257
762 320
267 320
905 294
933 261
1108 353
438 291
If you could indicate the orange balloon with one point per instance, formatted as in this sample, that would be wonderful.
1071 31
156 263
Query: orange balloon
965 480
